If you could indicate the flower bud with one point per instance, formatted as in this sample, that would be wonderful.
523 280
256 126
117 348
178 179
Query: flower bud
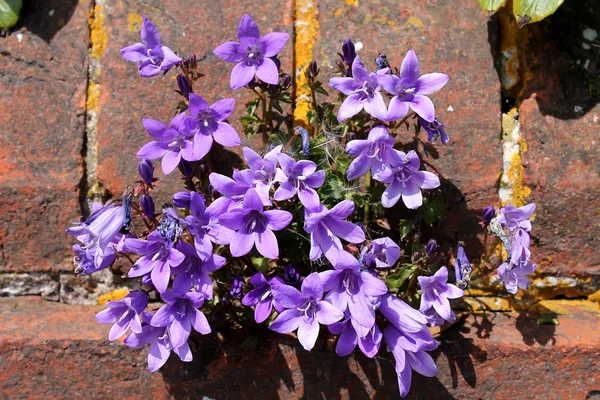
181 199
431 248
147 205
192 62
489 213
285 81
291 276
236 287
382 62
146 170
312 71
186 168
184 85
349 51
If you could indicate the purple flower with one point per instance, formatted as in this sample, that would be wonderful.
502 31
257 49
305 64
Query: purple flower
348 289
147 204
462 268
362 90
146 170
348 51
262 296
185 88
489 213
383 253
304 310
203 223
210 124
192 272
235 189
431 248
513 218
291 276
172 143
411 90
251 54
515 273
181 199
298 130
299 177
326 227
160 344
158 256
152 57
179 315
237 286
375 153
435 129
349 331
264 168
405 180
124 314
436 293
99 234
85 259
254 226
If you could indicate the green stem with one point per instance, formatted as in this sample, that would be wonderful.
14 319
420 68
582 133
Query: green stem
313 100
366 207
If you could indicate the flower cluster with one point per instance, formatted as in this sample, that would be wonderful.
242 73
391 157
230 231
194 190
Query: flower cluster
278 235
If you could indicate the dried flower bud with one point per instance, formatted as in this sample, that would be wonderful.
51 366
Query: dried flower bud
431 248
181 199
305 140
349 51
184 85
147 204
146 170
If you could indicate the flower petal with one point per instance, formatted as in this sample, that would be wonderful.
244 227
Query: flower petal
248 32
376 107
273 43
149 33
410 70
267 72
226 135
157 356
327 314
266 244
347 341
350 107
230 51
423 106
397 109
135 52
287 296
342 210
197 104
277 219
426 180
286 322
392 194
308 332
411 195
345 85
241 75
431 83
312 286
358 70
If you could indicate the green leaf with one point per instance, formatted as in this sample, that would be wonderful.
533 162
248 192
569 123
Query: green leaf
527 11
319 89
405 228
548 320
396 280
9 13
432 210
491 5
260 263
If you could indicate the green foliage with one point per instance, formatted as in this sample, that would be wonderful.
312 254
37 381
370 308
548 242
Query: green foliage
395 280
525 11
9 13
432 210
551 319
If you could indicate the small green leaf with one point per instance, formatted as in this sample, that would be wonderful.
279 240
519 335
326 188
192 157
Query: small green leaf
405 228
320 89
260 263
396 280
9 13
548 320
491 5
432 210
527 11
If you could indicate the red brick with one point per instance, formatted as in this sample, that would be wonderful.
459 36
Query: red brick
54 350
560 122
42 117
448 39
125 99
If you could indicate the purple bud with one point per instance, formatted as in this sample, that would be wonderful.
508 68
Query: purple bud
146 170
285 81
348 51
489 213
147 205
415 257
184 85
186 168
305 140
382 62
181 199
291 276
192 62
236 287
312 71
430 248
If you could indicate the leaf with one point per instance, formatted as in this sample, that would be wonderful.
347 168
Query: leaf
319 89
491 5
432 210
537 10
405 228
548 320
9 13
260 263
396 280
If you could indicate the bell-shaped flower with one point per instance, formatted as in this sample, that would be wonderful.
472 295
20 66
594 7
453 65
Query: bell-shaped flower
203 223
235 189
437 292
513 218
299 178
193 271
383 253
124 314
262 297
264 169
350 335
375 153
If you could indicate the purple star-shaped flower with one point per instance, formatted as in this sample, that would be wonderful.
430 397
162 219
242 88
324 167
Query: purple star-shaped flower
350 335
326 227
203 224
435 129
304 310
383 253
209 123
152 57
405 180
160 344
348 289
436 293
262 297
124 314
513 218
193 271
375 153
264 168
179 314
254 226
299 177
235 189
411 90
251 54
362 90
172 143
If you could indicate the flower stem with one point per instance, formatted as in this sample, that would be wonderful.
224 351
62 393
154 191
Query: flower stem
366 207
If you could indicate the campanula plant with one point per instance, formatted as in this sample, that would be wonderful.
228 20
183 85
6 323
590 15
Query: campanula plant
327 230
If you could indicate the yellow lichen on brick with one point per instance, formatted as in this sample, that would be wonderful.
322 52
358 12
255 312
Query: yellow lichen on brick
97 33
134 22
513 189
515 174
352 3
564 307
93 96
595 297
307 28
113 295
416 22
337 12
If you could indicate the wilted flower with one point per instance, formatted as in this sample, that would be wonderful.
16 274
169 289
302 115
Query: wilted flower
513 218
462 268
435 129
